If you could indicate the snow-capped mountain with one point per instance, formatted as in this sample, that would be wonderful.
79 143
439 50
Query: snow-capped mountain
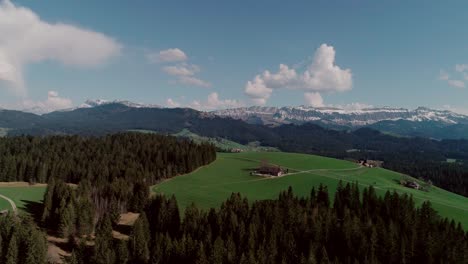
339 116
99 102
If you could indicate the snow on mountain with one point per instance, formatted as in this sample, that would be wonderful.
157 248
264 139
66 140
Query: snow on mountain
339 116
99 102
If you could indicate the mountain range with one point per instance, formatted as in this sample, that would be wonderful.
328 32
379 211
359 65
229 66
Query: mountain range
340 116
102 116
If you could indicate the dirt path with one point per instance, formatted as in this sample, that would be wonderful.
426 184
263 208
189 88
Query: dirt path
13 205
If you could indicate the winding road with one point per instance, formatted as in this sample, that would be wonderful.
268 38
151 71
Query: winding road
13 205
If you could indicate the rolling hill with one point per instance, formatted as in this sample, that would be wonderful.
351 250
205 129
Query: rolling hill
211 185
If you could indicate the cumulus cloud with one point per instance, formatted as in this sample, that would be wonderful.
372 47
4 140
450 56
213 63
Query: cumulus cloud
52 103
322 75
183 72
169 55
212 102
171 103
25 38
314 99
460 69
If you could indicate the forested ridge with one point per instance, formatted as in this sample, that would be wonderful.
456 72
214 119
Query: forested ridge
113 172
127 156
289 229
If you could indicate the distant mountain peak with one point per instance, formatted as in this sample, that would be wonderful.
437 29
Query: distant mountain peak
352 117
99 102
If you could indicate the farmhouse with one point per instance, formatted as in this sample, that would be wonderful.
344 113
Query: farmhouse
370 163
412 184
270 170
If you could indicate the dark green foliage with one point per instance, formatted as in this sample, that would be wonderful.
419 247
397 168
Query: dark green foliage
123 160
104 248
140 240
21 242
113 173
366 229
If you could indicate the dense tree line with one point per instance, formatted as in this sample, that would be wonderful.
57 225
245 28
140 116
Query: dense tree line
100 159
358 227
449 176
110 173
21 242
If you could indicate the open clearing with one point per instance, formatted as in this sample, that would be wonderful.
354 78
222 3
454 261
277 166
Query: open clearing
21 195
211 185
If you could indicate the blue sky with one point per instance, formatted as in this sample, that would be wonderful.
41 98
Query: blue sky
397 53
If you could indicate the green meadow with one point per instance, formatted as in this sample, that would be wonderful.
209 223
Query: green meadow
209 186
21 196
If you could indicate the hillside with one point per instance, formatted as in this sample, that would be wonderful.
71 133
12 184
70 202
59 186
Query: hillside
222 143
212 184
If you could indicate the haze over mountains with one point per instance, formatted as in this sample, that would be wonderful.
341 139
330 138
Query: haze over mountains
119 115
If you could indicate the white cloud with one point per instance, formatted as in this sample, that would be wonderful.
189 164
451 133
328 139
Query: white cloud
171 103
52 103
212 102
461 69
183 72
322 75
25 39
169 55
258 91
456 83
314 99
193 81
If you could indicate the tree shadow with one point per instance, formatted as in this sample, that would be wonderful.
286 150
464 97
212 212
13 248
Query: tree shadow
35 209
124 229
397 181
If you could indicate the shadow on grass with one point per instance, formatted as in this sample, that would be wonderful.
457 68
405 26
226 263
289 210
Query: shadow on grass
34 209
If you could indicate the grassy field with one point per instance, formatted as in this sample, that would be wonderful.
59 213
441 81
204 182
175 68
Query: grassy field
211 185
22 196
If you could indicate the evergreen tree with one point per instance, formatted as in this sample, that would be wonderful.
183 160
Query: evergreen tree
104 251
36 248
12 251
140 240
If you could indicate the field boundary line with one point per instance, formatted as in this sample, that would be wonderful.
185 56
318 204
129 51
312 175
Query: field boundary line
12 204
